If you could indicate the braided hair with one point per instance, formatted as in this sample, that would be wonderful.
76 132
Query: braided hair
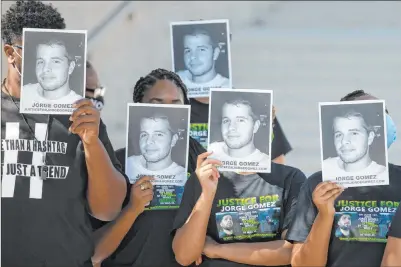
147 82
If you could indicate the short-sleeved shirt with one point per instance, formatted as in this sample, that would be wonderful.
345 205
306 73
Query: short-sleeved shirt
199 129
395 227
251 208
363 216
148 243
44 222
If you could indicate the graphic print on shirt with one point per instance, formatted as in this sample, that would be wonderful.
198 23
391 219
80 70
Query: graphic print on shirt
11 145
248 218
198 131
363 221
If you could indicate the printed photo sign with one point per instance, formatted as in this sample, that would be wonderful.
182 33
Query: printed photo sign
53 70
157 146
239 129
353 143
201 55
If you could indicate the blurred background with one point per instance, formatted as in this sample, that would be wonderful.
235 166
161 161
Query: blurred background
305 51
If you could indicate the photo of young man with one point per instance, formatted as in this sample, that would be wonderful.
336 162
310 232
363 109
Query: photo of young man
359 142
201 55
235 119
52 90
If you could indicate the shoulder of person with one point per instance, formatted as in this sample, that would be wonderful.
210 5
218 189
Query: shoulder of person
193 181
313 180
285 173
396 168
196 146
394 171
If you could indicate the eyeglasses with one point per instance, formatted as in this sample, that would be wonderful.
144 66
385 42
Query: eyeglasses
18 46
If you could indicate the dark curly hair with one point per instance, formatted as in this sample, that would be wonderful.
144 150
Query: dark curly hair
144 83
29 14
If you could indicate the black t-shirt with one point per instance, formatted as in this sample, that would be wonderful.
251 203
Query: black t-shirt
363 216
199 129
395 228
44 222
251 208
149 243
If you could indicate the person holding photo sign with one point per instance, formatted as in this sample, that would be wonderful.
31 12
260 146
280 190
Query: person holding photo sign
239 124
137 237
237 218
334 226
57 170
392 253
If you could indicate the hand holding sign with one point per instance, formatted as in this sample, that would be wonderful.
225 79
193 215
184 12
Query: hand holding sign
85 121
141 194
324 196
207 173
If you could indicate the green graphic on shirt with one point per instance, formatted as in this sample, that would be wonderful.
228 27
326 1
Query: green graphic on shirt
248 218
199 132
364 221
166 197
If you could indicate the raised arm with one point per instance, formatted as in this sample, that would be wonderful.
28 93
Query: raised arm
189 239
107 187
108 238
314 251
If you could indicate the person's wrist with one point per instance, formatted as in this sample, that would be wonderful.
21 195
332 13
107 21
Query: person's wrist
134 209
91 141
327 214
208 195
217 251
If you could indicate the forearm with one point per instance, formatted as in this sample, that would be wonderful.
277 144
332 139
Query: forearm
274 253
313 252
392 254
190 238
109 237
106 186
